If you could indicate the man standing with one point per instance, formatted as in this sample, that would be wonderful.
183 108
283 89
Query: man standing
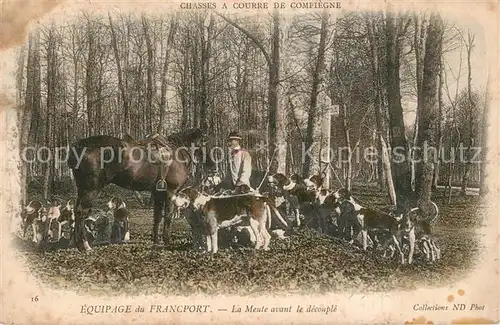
240 162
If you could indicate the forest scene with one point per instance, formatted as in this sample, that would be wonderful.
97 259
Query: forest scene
348 82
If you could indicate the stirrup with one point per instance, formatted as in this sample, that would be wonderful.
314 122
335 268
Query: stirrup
161 185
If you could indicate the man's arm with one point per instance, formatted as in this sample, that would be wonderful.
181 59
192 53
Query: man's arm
233 174
246 169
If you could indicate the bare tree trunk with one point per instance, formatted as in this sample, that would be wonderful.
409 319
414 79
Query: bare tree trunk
316 82
384 163
401 169
483 186
50 116
471 118
430 107
71 130
206 41
36 95
163 99
90 76
437 165
121 86
419 45
275 114
25 114
347 139
149 75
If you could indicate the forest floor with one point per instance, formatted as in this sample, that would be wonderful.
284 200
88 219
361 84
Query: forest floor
306 262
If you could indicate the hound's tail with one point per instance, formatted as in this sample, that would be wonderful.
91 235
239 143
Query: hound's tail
431 217
270 206
434 217
268 221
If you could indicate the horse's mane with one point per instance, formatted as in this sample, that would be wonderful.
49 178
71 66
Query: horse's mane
178 139
99 141
186 137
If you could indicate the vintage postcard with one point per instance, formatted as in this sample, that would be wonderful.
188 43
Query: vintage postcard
240 161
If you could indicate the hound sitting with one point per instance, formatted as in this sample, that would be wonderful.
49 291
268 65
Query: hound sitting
417 228
98 226
120 229
31 212
53 226
67 217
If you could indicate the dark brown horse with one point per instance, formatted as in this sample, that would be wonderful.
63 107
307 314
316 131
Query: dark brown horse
100 160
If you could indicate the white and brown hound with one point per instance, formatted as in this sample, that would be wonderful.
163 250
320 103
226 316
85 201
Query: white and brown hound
366 219
417 227
53 225
229 211
300 193
31 216
210 182
120 220
314 182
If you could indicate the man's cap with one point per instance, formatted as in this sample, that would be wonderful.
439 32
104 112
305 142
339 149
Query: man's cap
234 136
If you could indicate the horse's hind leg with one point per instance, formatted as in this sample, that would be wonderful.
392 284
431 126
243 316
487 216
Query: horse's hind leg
80 234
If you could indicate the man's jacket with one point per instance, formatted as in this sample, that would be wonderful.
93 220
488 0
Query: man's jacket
240 166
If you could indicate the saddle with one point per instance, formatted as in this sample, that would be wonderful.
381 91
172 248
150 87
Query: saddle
152 140
161 155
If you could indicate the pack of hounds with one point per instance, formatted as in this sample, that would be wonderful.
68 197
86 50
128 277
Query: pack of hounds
252 218
305 203
54 223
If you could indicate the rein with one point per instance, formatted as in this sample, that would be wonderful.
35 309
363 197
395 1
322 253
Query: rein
267 171
170 144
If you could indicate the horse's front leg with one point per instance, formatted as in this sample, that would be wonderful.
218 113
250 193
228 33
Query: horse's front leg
157 216
83 204
81 240
167 223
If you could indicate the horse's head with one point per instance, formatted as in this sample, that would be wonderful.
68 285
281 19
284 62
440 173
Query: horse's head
205 150
198 145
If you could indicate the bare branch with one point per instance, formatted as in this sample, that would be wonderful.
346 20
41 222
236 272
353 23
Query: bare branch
256 41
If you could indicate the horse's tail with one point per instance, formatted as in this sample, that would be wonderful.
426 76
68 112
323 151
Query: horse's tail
73 154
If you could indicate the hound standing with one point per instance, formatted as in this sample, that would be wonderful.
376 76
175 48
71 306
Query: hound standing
121 220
